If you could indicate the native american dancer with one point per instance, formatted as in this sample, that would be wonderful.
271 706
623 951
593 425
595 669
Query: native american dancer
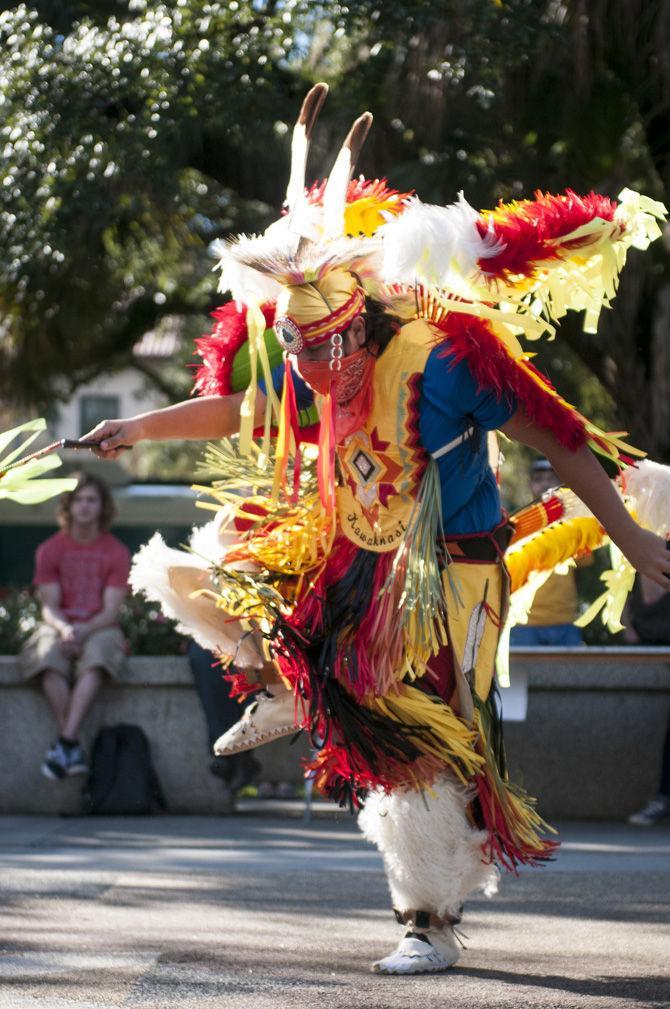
356 559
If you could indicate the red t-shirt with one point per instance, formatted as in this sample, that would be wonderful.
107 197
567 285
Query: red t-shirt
83 571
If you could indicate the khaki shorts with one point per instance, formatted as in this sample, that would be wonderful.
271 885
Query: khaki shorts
103 649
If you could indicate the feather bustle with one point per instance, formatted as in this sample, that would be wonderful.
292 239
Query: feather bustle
217 350
529 232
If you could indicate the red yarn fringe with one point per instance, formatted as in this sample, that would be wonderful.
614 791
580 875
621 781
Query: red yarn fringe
469 338
240 684
307 613
378 638
504 844
336 766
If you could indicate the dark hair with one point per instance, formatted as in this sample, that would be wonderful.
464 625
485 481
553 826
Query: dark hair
380 327
108 510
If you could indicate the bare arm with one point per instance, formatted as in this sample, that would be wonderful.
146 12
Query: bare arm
108 616
49 596
203 419
582 472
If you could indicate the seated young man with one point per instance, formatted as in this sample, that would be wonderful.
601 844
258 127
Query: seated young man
81 575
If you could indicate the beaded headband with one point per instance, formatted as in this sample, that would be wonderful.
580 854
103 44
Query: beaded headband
294 337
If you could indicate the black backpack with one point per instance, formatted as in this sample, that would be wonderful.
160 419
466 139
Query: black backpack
123 780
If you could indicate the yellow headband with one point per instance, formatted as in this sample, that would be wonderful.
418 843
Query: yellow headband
312 313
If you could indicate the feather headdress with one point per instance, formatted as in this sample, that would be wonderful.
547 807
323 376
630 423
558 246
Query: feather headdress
311 238
483 279
264 264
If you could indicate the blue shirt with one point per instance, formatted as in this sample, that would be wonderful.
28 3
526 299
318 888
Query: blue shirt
450 405
304 396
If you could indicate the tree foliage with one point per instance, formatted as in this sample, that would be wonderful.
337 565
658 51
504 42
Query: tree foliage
503 98
135 133
126 150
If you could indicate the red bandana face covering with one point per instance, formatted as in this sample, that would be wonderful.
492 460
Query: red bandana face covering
343 384
350 387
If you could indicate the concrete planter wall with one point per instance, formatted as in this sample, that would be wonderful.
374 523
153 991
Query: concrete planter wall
155 693
589 748
591 745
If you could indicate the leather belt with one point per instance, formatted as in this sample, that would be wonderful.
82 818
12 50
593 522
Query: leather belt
483 547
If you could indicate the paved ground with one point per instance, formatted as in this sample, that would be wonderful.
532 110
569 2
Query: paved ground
254 912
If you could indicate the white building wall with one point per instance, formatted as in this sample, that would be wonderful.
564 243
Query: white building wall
128 386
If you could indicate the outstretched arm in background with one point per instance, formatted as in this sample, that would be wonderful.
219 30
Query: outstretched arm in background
206 418
582 472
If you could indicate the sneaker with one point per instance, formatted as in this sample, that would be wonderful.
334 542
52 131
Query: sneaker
63 761
76 761
269 717
656 811
55 763
416 953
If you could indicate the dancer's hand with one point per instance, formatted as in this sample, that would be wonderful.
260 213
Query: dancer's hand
115 436
649 555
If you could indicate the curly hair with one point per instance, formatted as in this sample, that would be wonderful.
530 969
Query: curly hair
107 512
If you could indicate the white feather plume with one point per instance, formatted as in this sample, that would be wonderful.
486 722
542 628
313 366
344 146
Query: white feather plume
335 192
246 285
296 201
296 185
647 486
429 244
335 195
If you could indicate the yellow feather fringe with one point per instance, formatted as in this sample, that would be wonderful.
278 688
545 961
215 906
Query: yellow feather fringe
552 546
457 739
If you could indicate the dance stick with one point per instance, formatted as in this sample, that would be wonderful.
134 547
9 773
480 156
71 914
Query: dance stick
54 447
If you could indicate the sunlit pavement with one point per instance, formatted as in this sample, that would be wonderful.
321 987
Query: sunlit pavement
258 911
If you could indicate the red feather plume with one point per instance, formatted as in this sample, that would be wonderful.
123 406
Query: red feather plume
218 348
469 338
358 189
529 229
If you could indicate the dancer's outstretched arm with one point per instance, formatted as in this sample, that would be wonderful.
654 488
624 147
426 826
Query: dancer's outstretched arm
582 472
203 419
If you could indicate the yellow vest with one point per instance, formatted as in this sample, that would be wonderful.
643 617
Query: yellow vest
381 465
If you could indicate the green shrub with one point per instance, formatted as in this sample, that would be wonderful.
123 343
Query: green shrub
147 630
19 612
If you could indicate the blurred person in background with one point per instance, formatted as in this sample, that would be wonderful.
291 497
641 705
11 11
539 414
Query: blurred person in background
647 618
81 576
555 606
220 711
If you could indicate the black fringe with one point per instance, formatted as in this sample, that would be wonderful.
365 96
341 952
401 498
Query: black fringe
492 725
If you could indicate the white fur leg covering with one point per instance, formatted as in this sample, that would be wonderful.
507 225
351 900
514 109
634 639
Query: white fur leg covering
432 856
